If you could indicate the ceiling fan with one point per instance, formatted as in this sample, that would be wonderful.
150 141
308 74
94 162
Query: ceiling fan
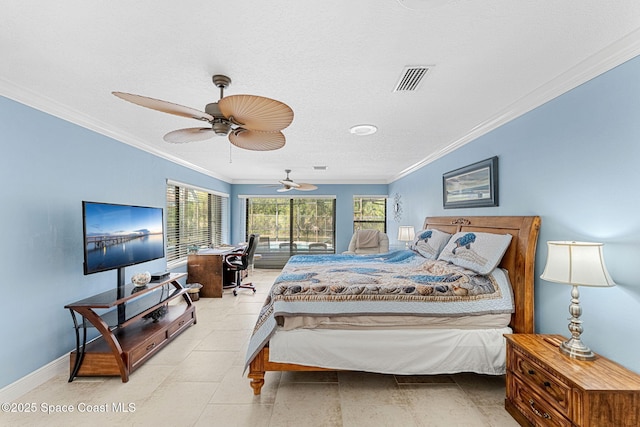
251 122
288 184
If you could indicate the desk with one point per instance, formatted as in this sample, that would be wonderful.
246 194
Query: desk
206 268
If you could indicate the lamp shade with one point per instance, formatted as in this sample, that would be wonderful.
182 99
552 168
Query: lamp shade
406 233
576 263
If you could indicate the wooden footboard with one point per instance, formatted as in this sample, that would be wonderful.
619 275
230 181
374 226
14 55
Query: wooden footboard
518 261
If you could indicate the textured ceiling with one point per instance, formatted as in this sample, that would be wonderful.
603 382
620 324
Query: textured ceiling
335 63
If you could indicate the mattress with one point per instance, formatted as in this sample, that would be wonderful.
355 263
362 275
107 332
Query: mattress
481 321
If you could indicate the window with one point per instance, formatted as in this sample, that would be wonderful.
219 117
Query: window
288 226
195 217
370 212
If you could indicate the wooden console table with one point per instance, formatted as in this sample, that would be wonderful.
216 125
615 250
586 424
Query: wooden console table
130 331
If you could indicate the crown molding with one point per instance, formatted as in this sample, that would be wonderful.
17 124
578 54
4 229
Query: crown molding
611 56
47 105
606 59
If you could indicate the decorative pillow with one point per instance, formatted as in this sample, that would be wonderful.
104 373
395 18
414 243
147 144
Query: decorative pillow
480 252
429 243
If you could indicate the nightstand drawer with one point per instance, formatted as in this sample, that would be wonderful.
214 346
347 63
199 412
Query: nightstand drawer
538 379
533 407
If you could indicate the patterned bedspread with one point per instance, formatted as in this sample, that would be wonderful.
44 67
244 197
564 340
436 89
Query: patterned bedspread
395 283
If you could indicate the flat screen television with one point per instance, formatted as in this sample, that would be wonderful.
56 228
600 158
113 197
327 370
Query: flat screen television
118 236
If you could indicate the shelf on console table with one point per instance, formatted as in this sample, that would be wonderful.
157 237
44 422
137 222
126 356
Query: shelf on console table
127 339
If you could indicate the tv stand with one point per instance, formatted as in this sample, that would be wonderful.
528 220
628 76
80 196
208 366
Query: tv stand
130 331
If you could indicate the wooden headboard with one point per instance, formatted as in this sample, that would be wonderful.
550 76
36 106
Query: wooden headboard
519 260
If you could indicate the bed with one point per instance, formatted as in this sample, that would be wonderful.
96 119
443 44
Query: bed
403 312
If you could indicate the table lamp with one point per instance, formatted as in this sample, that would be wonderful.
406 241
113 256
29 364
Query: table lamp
576 264
406 234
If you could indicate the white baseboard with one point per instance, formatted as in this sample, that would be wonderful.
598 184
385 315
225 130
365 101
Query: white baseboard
27 383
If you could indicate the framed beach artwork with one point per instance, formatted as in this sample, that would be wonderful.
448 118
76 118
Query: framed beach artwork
472 186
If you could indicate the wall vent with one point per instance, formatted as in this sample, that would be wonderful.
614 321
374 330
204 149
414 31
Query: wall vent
411 78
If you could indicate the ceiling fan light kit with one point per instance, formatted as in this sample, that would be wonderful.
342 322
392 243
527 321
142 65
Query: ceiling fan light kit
251 122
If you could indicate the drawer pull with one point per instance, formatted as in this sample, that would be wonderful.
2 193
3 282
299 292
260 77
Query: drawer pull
150 346
532 372
538 413
181 323
546 384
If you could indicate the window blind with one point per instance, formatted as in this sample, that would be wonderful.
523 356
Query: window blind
196 217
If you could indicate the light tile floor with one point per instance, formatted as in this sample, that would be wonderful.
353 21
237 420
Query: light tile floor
197 380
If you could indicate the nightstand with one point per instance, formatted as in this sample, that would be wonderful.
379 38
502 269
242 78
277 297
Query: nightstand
546 388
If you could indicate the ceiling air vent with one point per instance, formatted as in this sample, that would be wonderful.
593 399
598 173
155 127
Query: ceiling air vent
411 78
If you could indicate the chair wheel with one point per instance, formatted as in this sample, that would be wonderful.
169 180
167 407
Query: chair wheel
254 291
235 293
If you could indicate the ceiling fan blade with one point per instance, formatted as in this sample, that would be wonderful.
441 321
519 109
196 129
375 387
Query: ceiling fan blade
256 112
306 187
256 141
289 183
189 135
164 106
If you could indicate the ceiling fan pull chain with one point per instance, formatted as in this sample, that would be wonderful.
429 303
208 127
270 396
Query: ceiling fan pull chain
230 152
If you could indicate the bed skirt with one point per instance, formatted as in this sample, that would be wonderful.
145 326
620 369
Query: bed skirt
401 352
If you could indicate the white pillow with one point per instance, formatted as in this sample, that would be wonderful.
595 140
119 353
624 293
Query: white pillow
429 243
480 252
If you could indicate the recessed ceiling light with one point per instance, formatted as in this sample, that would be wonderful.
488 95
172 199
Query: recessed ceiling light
363 130
320 168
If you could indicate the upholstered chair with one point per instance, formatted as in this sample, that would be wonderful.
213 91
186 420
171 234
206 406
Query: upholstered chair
368 242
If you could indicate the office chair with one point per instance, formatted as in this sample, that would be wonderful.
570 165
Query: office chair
239 262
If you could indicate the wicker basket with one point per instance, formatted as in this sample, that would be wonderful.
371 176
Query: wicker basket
193 289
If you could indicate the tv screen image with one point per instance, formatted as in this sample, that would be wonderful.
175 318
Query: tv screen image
117 236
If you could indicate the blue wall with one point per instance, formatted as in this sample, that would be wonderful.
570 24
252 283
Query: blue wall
47 167
574 162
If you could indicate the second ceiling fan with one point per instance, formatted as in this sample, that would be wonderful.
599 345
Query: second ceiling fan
251 122
288 184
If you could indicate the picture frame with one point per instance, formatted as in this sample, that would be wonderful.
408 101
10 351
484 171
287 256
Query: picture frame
472 186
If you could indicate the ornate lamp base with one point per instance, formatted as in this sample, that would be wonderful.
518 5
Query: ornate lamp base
574 347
